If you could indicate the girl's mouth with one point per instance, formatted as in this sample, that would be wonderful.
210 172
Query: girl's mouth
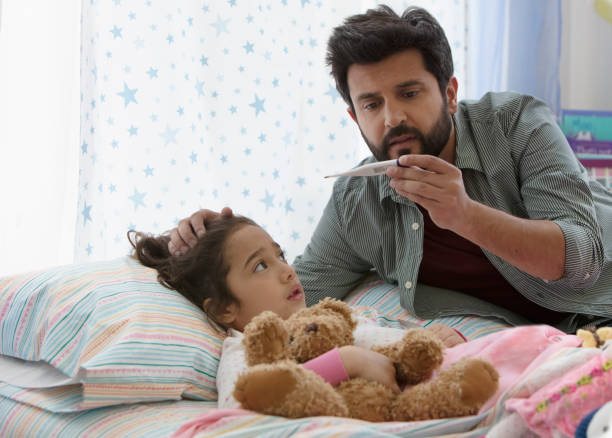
296 294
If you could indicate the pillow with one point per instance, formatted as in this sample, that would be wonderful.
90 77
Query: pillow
127 337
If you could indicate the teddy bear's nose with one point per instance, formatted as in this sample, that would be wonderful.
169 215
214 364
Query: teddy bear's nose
312 327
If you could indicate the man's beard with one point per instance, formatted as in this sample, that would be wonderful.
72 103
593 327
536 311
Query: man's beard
431 144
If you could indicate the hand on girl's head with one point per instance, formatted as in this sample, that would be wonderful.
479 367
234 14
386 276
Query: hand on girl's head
190 229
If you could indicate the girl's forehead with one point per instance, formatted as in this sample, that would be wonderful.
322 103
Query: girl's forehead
246 239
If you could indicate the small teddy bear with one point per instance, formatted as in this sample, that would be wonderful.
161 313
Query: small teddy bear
276 384
592 337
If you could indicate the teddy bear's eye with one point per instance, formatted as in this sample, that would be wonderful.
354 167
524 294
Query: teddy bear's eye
312 327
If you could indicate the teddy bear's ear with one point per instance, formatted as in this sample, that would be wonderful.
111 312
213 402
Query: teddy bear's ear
339 307
265 339
588 339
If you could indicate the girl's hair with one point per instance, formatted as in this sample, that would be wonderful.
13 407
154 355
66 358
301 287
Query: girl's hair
201 272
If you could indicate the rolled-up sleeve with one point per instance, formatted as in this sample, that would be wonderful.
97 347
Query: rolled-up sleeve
554 186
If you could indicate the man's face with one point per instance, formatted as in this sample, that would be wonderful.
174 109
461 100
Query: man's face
399 107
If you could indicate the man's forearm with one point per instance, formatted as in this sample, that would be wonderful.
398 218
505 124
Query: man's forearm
536 247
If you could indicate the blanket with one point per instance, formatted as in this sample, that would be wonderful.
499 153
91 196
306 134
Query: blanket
533 362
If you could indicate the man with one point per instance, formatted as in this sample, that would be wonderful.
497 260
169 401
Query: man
490 201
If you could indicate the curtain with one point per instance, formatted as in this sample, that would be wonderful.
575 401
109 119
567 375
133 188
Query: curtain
515 45
194 104
39 132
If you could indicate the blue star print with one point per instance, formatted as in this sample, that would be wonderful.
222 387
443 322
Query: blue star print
116 31
128 94
332 92
221 25
268 200
86 213
169 135
138 199
258 105
248 47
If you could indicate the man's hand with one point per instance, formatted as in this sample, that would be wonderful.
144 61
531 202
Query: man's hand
361 362
447 335
436 185
190 229
536 247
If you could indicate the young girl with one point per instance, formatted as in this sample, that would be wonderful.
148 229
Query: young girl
236 271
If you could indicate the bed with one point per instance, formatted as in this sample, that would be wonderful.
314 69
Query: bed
102 349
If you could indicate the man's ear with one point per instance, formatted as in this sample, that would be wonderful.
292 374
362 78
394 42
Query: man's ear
451 95
352 114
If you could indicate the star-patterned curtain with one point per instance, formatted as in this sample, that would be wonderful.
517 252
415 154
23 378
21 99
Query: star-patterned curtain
200 104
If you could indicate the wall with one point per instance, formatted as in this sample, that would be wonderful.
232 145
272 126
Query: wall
586 57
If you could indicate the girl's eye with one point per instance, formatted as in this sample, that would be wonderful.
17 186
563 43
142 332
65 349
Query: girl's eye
282 256
260 267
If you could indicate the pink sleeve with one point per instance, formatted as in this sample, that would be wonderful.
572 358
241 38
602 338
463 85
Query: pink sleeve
329 366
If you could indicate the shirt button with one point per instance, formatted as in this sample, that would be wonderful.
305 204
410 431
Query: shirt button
408 284
415 226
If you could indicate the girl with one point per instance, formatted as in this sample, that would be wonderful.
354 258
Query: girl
236 271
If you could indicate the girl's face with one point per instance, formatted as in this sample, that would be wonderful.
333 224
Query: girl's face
259 278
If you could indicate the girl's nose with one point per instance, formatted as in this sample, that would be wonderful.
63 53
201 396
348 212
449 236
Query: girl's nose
288 273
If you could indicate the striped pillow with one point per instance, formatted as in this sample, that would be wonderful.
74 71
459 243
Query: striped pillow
128 338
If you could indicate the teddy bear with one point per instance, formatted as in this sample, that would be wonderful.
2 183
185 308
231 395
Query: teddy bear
275 384
592 337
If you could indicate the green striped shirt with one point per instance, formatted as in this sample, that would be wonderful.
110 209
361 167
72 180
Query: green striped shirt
514 158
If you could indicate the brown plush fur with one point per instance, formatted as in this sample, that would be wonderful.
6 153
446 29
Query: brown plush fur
275 384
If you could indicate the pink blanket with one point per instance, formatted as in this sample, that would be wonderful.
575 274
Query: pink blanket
513 352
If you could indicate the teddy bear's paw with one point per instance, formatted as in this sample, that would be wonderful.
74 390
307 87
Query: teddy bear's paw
264 388
479 381
265 339
457 391
367 400
416 356
286 389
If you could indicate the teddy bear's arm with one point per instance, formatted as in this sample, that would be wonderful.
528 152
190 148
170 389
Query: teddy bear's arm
265 339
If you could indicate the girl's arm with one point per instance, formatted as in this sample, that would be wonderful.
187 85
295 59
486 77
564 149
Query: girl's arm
351 361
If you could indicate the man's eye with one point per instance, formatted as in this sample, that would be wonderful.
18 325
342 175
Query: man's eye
411 93
260 267
370 106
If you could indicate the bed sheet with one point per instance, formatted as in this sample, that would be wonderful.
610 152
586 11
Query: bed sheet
150 420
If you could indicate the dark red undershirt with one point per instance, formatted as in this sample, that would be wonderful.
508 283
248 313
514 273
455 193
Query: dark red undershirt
452 262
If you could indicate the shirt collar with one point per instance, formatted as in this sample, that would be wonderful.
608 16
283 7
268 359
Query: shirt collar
466 154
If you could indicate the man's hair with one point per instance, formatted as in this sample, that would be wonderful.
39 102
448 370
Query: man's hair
379 33
201 272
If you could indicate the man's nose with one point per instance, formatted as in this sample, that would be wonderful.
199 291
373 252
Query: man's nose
394 115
